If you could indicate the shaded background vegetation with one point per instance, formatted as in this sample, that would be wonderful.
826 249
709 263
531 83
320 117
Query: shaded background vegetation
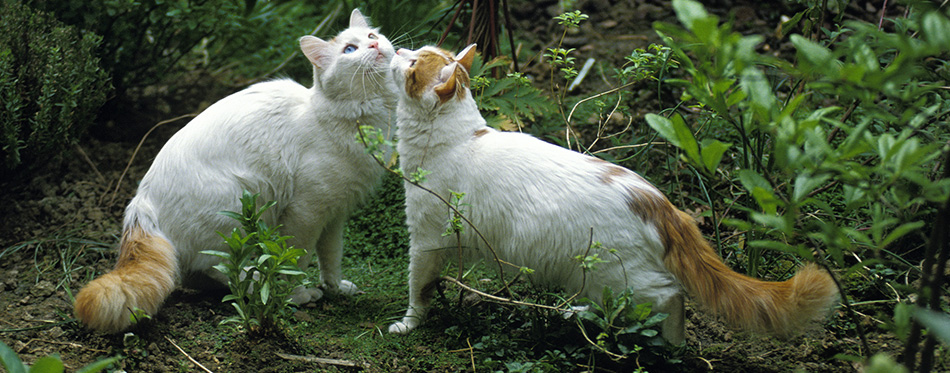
808 131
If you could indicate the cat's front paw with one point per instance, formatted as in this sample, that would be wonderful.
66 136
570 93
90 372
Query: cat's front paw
343 288
400 328
302 295
348 288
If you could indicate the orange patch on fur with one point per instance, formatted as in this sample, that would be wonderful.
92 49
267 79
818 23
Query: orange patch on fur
425 73
779 308
143 277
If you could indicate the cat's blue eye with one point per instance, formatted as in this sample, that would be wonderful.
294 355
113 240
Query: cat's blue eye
349 49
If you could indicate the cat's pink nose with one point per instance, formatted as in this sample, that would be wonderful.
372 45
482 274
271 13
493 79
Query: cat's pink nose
374 45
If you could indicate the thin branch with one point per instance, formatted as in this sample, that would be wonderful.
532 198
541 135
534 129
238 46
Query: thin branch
139 146
321 360
193 361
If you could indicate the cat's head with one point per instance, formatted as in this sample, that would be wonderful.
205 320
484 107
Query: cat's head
431 76
354 64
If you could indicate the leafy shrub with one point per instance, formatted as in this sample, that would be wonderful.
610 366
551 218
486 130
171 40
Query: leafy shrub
144 40
832 155
50 86
261 270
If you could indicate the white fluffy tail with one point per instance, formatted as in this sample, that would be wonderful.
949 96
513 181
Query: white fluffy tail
143 277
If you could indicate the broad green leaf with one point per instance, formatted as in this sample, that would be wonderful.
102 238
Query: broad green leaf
47 364
901 231
936 322
760 189
805 183
10 360
265 292
677 133
936 30
688 12
712 153
757 87
816 54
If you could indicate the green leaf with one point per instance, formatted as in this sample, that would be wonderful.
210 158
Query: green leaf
712 153
760 189
757 87
99 365
816 54
901 231
47 364
688 12
936 322
10 360
936 31
677 133
805 183
265 292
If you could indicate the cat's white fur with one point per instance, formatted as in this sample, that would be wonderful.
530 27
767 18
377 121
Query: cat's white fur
289 143
540 205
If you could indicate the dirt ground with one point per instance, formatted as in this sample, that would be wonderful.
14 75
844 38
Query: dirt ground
58 230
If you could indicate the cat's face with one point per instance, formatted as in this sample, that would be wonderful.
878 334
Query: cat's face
429 76
354 64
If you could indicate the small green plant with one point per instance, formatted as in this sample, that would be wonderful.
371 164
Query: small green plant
506 102
261 269
49 364
622 326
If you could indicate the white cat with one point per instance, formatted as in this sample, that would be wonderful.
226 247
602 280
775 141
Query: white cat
537 204
291 144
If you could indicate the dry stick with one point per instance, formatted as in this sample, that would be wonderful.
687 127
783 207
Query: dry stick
498 299
193 361
85 157
320 360
139 146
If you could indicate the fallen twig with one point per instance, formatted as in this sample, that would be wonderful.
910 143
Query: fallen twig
139 146
321 360
193 361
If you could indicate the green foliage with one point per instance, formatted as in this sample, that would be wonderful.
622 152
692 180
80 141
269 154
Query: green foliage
378 228
143 40
455 225
792 143
508 101
50 86
261 270
622 327
49 364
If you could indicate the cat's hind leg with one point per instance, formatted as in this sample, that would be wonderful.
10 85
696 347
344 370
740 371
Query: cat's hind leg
673 328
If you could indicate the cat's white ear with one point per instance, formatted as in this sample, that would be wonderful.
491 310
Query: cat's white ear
316 50
357 19
466 56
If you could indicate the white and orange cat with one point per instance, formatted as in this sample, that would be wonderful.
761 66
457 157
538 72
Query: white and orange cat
537 204
288 143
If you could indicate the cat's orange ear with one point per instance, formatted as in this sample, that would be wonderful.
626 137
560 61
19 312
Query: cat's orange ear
466 56
358 20
316 50
449 86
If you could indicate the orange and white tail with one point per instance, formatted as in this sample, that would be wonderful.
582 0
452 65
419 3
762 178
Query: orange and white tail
778 308
143 277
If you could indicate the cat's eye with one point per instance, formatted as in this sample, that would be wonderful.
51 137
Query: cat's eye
372 36
349 49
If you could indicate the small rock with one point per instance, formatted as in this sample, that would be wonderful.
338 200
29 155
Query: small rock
302 316
43 289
